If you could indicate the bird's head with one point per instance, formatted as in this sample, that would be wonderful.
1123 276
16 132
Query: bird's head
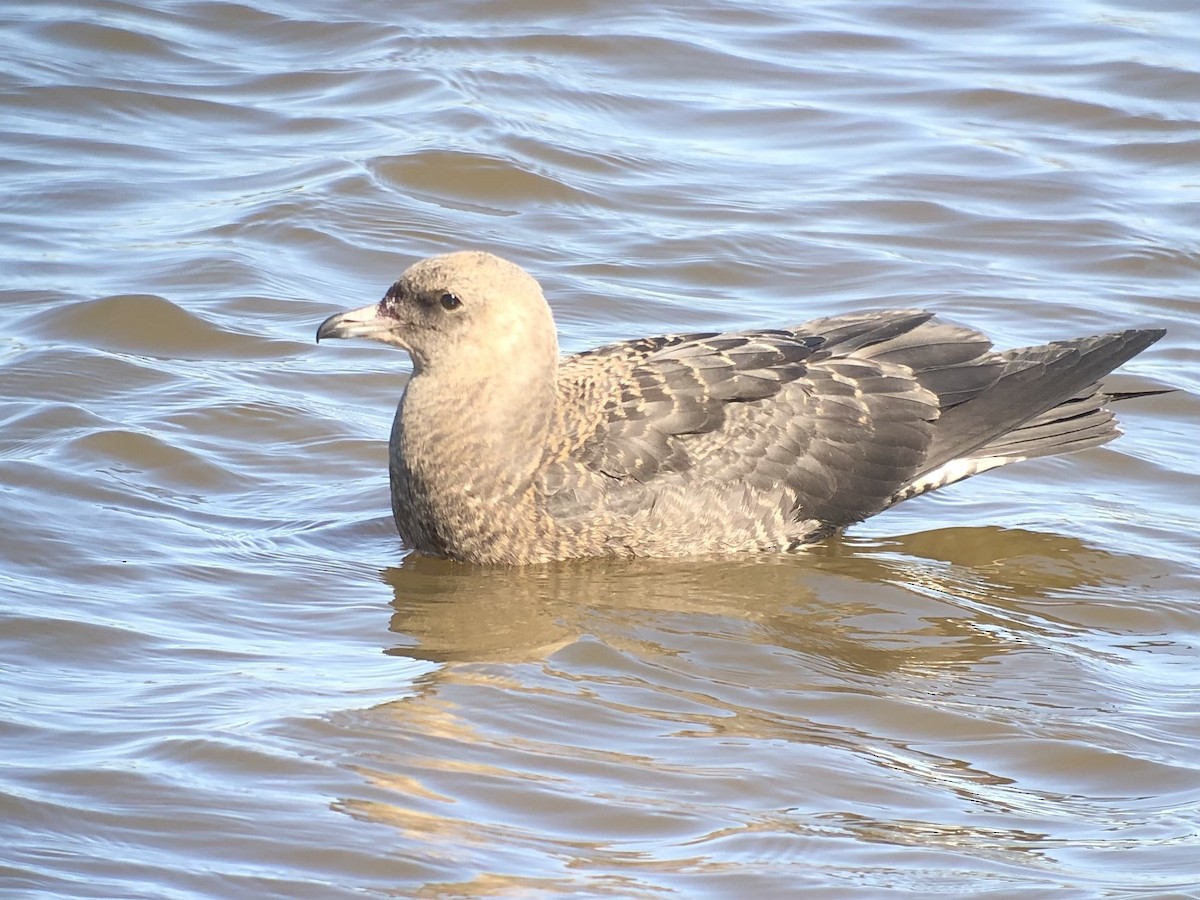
465 311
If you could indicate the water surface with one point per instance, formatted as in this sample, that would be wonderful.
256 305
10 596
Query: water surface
224 677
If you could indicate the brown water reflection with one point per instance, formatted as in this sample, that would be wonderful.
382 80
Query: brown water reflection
820 600
932 681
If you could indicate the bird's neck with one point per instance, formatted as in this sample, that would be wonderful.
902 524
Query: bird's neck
464 458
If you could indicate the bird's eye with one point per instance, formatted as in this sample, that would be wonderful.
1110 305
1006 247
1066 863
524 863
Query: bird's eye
450 302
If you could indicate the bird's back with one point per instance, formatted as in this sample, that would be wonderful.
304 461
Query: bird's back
769 439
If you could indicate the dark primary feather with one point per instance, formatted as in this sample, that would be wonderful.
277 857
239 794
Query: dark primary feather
1034 380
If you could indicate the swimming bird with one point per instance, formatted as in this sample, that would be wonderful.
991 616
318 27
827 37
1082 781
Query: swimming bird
504 452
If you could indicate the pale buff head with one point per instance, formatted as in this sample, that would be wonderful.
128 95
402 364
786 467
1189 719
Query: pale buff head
461 313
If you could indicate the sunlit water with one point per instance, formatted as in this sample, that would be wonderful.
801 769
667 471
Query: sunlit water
222 677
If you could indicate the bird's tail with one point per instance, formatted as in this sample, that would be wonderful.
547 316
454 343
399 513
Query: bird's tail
1019 417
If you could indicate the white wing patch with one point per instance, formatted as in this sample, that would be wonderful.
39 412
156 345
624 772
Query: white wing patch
949 473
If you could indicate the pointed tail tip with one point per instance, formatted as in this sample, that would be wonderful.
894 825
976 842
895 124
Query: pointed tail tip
1150 335
1118 396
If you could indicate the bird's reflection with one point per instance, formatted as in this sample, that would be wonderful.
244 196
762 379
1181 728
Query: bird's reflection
952 594
863 657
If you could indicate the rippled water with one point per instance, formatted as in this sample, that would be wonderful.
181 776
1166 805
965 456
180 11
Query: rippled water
222 677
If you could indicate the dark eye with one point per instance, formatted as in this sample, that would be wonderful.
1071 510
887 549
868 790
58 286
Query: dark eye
450 302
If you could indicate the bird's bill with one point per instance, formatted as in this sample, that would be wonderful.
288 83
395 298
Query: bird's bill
365 322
